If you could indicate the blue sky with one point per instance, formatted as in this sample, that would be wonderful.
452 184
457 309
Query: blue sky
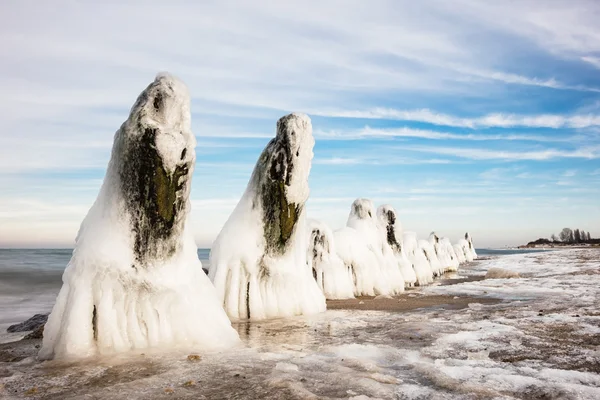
464 115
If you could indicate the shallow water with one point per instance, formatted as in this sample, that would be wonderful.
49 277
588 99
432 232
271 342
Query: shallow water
540 342
30 280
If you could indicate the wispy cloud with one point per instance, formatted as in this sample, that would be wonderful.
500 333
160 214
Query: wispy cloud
595 61
406 132
396 160
487 154
497 120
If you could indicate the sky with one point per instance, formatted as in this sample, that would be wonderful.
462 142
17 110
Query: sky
464 115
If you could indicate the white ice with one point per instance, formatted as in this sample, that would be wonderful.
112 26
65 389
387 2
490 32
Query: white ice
332 275
260 268
434 262
460 253
110 302
417 257
391 231
539 342
471 246
360 245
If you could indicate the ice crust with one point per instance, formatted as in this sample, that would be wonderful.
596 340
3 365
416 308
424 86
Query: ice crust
134 280
258 262
484 351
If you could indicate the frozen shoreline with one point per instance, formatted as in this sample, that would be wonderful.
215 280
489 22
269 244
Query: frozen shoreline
533 337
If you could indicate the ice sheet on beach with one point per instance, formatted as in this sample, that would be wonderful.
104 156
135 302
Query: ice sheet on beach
539 342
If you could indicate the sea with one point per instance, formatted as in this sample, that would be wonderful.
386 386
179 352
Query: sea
31 278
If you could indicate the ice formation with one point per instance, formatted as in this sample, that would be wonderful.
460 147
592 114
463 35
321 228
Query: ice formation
258 261
332 275
391 231
434 262
445 252
449 249
363 219
467 247
418 258
134 280
471 247
362 262
460 253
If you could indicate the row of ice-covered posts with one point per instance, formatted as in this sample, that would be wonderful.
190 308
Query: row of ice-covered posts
371 255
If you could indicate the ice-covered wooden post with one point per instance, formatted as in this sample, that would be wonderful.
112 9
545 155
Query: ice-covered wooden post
134 280
258 261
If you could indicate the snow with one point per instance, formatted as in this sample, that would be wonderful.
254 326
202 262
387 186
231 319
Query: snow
390 230
418 258
332 275
258 262
134 280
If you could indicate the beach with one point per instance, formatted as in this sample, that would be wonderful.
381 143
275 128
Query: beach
463 337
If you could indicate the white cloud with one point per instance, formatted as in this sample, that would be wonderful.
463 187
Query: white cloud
496 120
406 132
595 61
486 154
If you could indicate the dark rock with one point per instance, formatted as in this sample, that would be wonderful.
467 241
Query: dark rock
31 324
36 334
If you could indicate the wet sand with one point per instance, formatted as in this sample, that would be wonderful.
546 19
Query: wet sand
413 299
408 302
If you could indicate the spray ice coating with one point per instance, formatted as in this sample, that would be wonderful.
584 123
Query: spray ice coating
134 280
258 261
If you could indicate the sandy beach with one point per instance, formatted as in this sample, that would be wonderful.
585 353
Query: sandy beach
535 337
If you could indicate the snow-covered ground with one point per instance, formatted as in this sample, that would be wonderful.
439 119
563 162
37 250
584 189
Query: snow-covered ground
539 342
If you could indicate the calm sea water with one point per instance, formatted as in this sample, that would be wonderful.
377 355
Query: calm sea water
505 252
31 278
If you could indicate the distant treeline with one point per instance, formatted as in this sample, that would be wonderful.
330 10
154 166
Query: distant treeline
567 236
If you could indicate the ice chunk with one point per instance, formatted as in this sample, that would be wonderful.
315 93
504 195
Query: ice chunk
258 261
134 280
332 275
500 273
